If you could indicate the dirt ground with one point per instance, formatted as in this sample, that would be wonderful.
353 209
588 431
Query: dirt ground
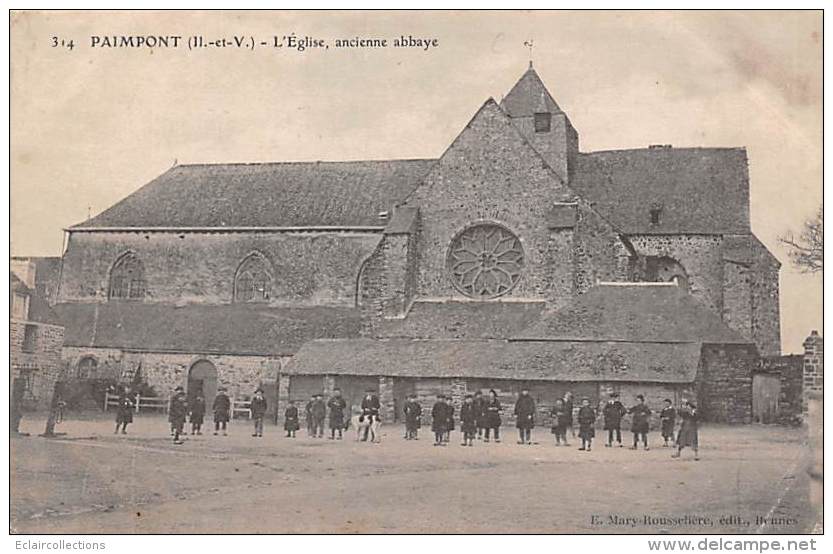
91 481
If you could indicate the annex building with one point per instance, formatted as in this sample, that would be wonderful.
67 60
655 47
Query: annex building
513 259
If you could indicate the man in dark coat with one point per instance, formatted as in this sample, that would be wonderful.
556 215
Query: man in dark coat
479 412
413 415
640 422
491 415
290 420
525 416
222 410
124 412
370 408
439 420
613 413
308 416
668 418
337 406
468 420
177 412
197 414
258 409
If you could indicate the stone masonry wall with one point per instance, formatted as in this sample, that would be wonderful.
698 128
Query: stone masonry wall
790 371
42 365
701 257
765 301
724 382
308 268
490 174
813 368
241 375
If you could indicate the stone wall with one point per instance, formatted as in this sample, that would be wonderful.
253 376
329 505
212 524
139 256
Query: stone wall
765 298
312 268
701 257
39 365
724 382
490 174
790 371
164 371
813 369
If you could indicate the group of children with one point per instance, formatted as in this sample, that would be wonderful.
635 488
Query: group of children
613 413
180 408
479 418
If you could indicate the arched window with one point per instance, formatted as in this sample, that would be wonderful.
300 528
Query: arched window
87 368
665 269
127 280
253 282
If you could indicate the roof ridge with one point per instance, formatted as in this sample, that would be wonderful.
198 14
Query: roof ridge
303 162
658 150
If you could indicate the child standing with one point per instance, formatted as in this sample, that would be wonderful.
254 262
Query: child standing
668 417
559 423
290 417
258 409
688 435
525 414
439 420
197 414
337 406
640 424
124 412
613 413
491 416
222 410
586 422
177 413
468 421
413 414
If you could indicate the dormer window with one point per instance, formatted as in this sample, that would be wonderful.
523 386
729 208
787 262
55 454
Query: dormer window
656 214
542 122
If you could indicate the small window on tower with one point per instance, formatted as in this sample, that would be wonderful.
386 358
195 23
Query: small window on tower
656 213
542 122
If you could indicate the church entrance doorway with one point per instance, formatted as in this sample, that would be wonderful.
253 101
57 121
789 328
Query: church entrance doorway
202 379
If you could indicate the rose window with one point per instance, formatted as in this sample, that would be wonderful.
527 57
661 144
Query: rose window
485 260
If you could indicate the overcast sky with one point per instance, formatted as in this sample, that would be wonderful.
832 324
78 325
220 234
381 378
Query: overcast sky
90 126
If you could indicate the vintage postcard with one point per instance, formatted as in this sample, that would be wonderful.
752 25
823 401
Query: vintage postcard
428 272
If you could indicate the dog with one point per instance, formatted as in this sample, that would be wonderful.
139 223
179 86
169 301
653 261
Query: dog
367 426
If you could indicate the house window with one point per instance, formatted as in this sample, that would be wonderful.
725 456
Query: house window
30 337
127 280
87 368
656 212
253 282
542 122
20 306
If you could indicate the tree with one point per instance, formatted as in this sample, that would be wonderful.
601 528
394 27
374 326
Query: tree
807 251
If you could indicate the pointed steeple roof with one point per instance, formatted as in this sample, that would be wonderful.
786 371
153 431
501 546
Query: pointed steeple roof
528 96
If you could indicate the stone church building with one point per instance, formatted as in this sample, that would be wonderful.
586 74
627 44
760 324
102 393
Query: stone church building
513 259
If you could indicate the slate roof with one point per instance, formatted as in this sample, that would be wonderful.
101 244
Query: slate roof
700 190
292 194
633 312
229 329
529 96
462 320
551 361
